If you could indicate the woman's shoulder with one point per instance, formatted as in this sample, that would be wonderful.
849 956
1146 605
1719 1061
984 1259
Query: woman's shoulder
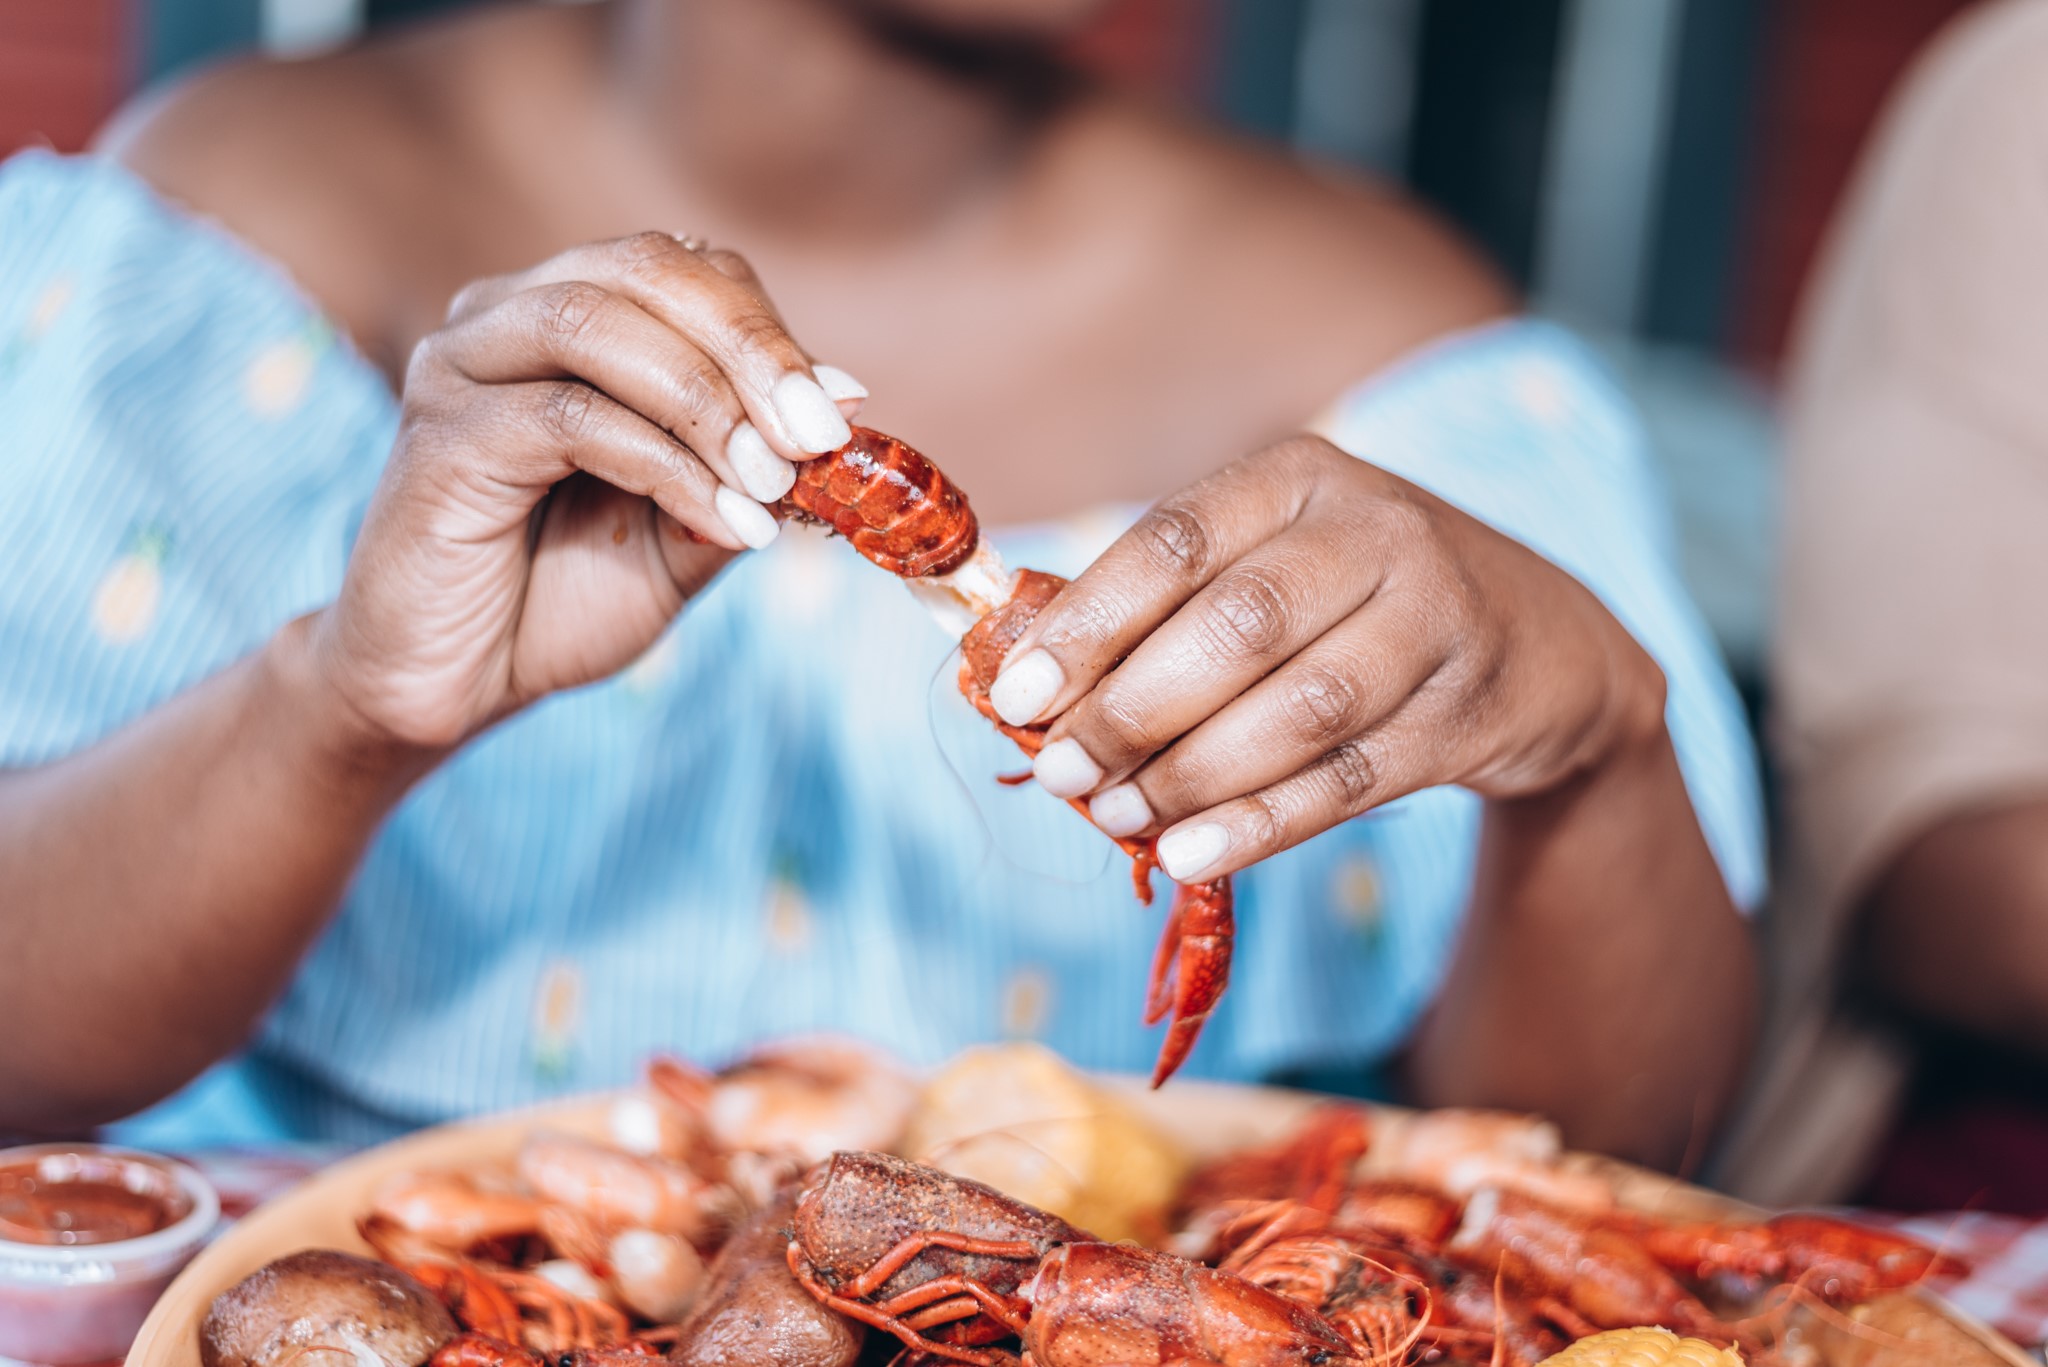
274 152
1304 224
1318 260
303 159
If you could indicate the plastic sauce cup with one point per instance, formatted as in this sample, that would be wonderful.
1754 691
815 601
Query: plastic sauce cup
72 1287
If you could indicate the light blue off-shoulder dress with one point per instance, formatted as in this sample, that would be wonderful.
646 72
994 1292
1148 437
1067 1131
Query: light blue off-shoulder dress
780 819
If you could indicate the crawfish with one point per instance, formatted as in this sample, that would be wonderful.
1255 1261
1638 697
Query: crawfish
908 1249
1191 967
900 511
1594 1274
495 1304
1311 1167
1841 1261
895 506
1385 1293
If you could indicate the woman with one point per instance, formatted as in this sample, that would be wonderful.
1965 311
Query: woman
1071 303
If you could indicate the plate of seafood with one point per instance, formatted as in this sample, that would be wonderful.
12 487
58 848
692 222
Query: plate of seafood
817 1204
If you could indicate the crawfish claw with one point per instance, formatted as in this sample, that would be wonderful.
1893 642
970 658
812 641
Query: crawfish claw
1190 969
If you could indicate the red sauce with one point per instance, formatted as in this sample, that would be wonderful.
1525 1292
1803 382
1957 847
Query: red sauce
87 1198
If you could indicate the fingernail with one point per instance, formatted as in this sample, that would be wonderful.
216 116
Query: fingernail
762 473
837 384
749 520
1064 769
810 415
1121 810
1188 853
1026 688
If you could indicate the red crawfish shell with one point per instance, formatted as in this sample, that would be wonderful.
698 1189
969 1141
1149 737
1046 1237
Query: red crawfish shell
896 507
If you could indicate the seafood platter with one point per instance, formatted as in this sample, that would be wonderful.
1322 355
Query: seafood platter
817 1204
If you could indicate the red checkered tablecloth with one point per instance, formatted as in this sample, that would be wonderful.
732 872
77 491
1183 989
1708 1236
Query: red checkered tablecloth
2008 1256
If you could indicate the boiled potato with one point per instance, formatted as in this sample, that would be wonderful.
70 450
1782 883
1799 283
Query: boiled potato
1643 1348
1020 1119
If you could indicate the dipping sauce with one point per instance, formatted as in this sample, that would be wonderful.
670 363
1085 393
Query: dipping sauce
87 1198
89 1238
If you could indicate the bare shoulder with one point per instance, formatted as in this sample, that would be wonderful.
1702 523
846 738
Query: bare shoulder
325 165
286 155
1329 234
1322 260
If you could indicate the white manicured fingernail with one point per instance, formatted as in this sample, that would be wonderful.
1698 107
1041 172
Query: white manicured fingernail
1064 769
1188 853
762 473
749 520
810 415
1027 687
1121 810
837 384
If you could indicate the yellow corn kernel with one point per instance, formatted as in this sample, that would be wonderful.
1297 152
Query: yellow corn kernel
1643 1348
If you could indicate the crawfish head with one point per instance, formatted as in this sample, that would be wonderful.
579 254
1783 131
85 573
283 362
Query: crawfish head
1098 1304
870 1226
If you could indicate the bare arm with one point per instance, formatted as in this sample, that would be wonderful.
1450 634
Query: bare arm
1956 928
1606 979
528 535
161 885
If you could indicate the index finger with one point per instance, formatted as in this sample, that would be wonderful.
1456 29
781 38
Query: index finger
717 313
1146 576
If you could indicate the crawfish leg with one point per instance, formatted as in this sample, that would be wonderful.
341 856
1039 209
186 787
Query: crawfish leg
967 1293
565 1323
1194 958
908 1247
806 1274
945 1312
478 1303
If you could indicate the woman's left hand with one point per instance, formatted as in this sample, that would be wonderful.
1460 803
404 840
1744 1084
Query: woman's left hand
1302 637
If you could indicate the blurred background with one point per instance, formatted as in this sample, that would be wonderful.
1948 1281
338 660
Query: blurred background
1656 172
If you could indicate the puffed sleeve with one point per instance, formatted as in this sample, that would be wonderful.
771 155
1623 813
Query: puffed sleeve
188 449
1519 425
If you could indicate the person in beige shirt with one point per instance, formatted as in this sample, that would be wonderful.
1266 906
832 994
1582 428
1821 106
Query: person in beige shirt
1912 664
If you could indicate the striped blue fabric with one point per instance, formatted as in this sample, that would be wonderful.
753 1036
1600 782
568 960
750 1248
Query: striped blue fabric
781 818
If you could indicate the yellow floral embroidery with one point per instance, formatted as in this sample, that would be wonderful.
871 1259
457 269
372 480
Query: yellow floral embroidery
42 316
1358 895
557 1012
277 379
1026 1002
1541 391
787 913
125 605
49 307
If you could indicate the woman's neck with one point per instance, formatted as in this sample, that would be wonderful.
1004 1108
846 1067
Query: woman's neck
804 116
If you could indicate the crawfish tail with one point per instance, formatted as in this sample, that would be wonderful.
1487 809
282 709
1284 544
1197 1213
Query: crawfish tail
897 508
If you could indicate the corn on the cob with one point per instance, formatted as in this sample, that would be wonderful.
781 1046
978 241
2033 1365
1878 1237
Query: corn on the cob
1643 1348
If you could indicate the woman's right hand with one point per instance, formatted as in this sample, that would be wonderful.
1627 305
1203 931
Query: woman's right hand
559 433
